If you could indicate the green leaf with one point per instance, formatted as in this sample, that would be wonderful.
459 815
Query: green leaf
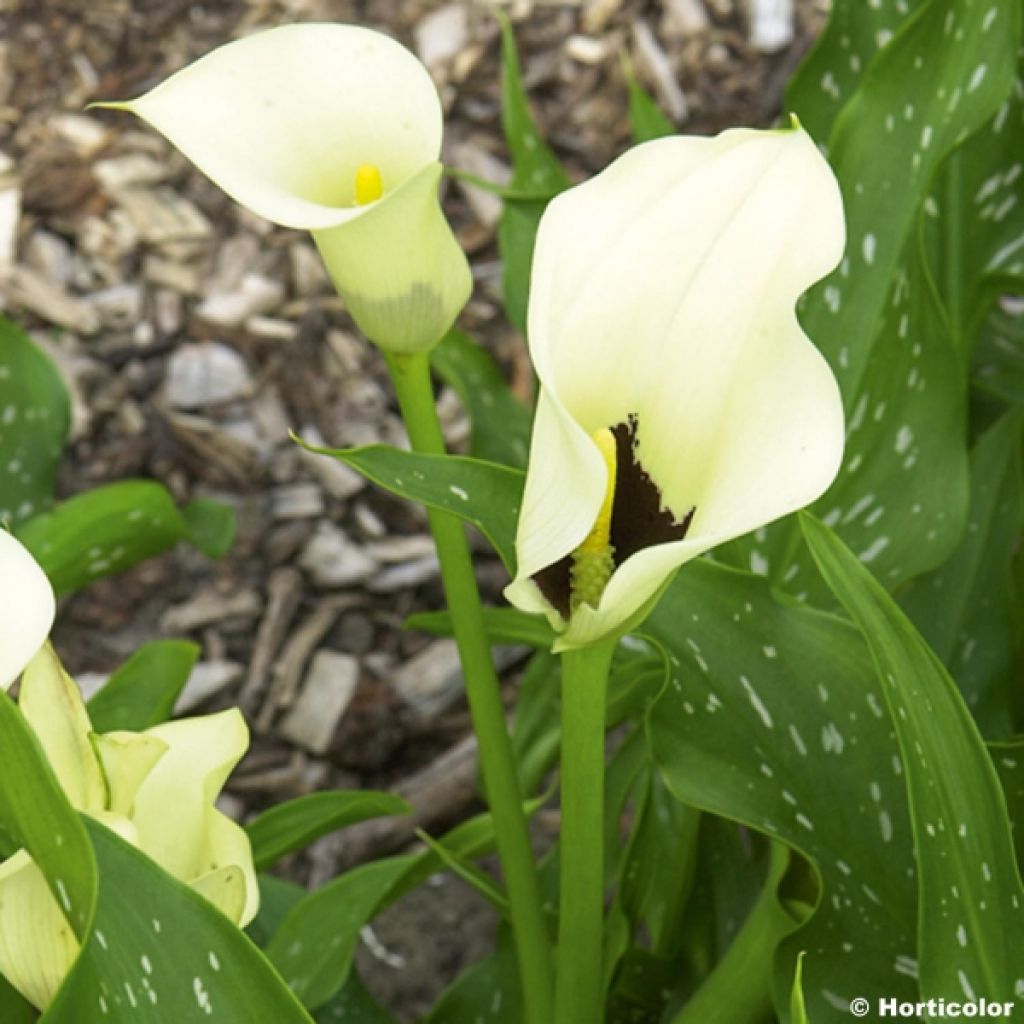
1008 757
503 625
473 876
36 813
35 415
314 947
835 67
160 952
534 168
772 717
209 526
740 986
293 824
143 691
658 873
646 118
900 500
487 993
999 358
103 531
886 146
14 1009
500 422
971 919
482 493
797 1006
967 610
353 1005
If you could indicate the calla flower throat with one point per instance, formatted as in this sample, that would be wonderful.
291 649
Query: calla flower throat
632 517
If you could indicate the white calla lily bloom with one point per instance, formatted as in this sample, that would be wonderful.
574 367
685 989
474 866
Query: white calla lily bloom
335 129
681 403
155 789
27 608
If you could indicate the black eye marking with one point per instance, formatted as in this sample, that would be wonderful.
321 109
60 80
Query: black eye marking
639 520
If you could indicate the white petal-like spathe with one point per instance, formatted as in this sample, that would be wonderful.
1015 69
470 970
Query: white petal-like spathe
280 120
37 945
665 288
174 801
27 607
52 705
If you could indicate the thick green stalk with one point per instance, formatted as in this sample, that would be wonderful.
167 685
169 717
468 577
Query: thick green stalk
411 377
579 997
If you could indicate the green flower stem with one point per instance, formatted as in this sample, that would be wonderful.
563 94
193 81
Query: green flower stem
411 377
579 997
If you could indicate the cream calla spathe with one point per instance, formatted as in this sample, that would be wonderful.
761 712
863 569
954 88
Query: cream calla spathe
27 607
285 120
155 789
662 319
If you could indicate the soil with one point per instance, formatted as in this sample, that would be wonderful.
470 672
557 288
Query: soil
125 299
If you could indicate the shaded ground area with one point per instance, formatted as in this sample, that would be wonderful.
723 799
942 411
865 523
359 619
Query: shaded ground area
193 336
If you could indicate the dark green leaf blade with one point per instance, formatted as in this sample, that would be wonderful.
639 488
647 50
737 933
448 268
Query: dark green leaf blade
967 609
971 918
293 824
535 169
160 952
35 415
482 493
142 692
103 531
500 422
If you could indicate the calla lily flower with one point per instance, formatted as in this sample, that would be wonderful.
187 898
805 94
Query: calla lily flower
681 405
335 129
27 607
155 789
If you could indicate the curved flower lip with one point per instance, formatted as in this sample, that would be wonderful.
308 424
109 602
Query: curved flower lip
665 289
27 608
281 119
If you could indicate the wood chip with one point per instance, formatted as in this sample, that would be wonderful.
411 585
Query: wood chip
323 699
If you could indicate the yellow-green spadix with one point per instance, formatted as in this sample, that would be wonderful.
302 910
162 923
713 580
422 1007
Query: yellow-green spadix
155 789
662 312
293 123
27 607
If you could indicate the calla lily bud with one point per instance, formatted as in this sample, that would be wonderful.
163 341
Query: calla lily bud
681 404
155 789
335 129
27 607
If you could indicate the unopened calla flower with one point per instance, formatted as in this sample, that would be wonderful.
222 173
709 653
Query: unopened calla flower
155 789
681 404
27 607
335 129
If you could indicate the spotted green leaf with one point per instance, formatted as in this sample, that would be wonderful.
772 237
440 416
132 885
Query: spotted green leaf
35 415
891 116
108 529
482 493
970 914
159 952
968 609
772 717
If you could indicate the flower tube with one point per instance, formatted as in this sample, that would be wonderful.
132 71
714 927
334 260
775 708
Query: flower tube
27 607
155 789
335 129
681 404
